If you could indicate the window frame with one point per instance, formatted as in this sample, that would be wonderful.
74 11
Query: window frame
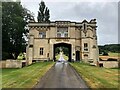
85 46
41 51
42 34
62 32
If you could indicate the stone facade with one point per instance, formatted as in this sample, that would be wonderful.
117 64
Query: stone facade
80 36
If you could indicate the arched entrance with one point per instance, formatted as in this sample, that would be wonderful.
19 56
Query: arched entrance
63 45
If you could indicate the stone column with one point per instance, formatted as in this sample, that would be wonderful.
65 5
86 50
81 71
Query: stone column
30 50
51 51
30 56
95 52
73 52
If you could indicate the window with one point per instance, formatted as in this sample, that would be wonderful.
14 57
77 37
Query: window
62 32
58 35
42 34
85 46
41 51
66 34
85 55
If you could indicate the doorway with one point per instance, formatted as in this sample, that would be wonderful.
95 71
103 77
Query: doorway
77 55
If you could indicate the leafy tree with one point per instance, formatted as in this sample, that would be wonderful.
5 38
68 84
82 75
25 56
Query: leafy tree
66 51
109 48
43 13
14 28
57 50
105 53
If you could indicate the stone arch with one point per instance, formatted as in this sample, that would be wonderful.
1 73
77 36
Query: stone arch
69 46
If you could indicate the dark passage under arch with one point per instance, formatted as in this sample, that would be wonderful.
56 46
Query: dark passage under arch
63 45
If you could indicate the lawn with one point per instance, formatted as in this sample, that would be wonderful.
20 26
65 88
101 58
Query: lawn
25 77
113 54
97 77
64 56
57 56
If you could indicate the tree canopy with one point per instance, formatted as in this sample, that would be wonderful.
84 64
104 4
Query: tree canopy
64 49
14 28
109 48
43 13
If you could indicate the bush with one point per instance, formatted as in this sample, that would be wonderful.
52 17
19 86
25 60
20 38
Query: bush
105 54
21 57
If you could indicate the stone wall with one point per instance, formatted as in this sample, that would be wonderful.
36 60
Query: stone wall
109 64
11 64
2 64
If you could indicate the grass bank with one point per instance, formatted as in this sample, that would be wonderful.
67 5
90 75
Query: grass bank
97 77
25 77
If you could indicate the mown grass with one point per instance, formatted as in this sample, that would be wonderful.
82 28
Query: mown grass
25 77
97 77
57 56
114 54
65 57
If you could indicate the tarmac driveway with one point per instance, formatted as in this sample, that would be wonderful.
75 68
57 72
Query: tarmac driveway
61 75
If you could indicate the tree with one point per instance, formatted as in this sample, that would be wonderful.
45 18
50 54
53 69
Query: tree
43 13
57 50
14 22
66 51
109 48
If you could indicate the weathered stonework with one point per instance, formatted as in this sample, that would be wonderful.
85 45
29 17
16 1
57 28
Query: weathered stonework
80 35
11 63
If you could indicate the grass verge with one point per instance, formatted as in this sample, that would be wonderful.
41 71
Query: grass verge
97 77
25 77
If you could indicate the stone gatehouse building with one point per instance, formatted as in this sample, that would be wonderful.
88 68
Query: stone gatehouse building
79 37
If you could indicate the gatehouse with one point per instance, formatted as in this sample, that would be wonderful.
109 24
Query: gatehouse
79 37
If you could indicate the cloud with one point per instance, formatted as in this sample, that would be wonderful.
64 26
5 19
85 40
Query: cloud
106 14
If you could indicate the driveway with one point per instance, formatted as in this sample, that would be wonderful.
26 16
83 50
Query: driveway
61 75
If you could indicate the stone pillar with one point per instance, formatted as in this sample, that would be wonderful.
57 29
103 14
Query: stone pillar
30 56
48 47
95 51
30 50
51 51
94 54
73 52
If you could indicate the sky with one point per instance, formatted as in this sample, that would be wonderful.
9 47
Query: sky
105 12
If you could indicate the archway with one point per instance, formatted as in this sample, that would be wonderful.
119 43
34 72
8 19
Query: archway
63 45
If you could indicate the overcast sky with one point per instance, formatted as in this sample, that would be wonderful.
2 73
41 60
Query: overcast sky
105 11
